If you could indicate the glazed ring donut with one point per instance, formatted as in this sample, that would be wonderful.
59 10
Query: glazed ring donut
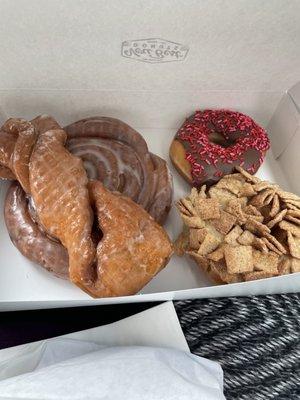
118 156
28 236
211 143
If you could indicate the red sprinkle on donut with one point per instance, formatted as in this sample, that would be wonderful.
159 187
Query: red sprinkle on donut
232 125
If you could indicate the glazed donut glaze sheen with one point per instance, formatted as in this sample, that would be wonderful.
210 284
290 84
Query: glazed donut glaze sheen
118 156
29 238
211 143
111 152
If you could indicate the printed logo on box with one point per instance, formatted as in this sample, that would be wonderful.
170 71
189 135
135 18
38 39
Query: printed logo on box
154 50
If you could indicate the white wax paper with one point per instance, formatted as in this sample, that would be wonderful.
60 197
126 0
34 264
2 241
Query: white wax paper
114 373
92 365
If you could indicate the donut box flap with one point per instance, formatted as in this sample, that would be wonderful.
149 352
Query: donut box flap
284 131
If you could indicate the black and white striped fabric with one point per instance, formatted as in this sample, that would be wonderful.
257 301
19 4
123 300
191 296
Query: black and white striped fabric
255 339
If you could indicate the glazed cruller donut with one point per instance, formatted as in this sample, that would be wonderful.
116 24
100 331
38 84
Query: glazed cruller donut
211 143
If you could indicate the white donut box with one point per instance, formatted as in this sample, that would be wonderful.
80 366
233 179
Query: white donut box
150 64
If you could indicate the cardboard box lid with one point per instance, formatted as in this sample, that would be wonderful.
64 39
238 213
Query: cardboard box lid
223 45
239 55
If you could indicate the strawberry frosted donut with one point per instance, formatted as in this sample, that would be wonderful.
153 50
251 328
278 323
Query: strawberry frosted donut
211 143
